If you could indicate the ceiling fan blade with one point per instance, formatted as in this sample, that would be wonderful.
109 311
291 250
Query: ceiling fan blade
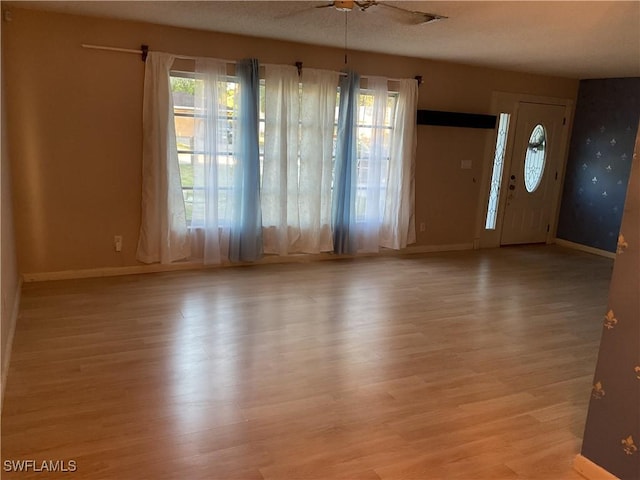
364 4
302 11
412 16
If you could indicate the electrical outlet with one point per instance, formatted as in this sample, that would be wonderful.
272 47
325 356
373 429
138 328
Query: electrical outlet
117 243
423 227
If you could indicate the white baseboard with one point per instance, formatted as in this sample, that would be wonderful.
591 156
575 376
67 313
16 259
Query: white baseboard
435 248
584 248
268 259
108 271
6 352
590 470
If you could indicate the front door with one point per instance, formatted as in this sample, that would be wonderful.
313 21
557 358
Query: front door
535 165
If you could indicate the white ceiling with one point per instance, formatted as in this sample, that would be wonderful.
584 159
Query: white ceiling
578 39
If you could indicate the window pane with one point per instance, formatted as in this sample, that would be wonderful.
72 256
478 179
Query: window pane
535 158
496 176
190 139
372 162
184 131
183 90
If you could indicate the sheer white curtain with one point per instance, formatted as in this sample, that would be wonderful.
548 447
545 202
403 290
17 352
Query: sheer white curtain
373 165
297 168
164 236
297 177
385 189
398 224
212 165
279 193
317 122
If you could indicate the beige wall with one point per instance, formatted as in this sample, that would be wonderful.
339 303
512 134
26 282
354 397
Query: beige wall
75 129
9 284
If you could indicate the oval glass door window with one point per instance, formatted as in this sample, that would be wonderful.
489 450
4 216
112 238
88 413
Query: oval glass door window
535 158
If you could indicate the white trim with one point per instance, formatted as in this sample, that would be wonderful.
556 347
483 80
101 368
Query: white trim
6 354
268 259
455 247
107 272
567 130
590 470
584 248
527 98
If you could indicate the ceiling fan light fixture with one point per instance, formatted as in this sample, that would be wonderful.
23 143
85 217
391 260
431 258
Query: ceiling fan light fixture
411 16
344 6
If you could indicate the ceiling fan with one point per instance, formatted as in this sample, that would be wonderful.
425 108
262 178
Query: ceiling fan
411 16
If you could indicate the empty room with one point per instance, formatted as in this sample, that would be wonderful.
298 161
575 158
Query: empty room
320 240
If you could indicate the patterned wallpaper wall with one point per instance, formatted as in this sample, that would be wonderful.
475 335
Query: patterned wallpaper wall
604 131
612 431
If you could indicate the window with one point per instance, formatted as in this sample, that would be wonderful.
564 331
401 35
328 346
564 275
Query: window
368 128
188 122
184 116
534 159
203 164
374 129
190 158
496 176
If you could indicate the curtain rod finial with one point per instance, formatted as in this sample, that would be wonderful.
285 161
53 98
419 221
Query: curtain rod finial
419 79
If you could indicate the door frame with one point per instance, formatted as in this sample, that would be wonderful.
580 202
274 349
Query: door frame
503 102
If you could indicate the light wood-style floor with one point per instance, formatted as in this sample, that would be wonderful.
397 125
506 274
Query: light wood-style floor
467 365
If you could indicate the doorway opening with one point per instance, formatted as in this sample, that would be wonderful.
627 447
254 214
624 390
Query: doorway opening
527 157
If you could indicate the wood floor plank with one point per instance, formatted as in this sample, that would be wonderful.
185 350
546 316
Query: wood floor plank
464 365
